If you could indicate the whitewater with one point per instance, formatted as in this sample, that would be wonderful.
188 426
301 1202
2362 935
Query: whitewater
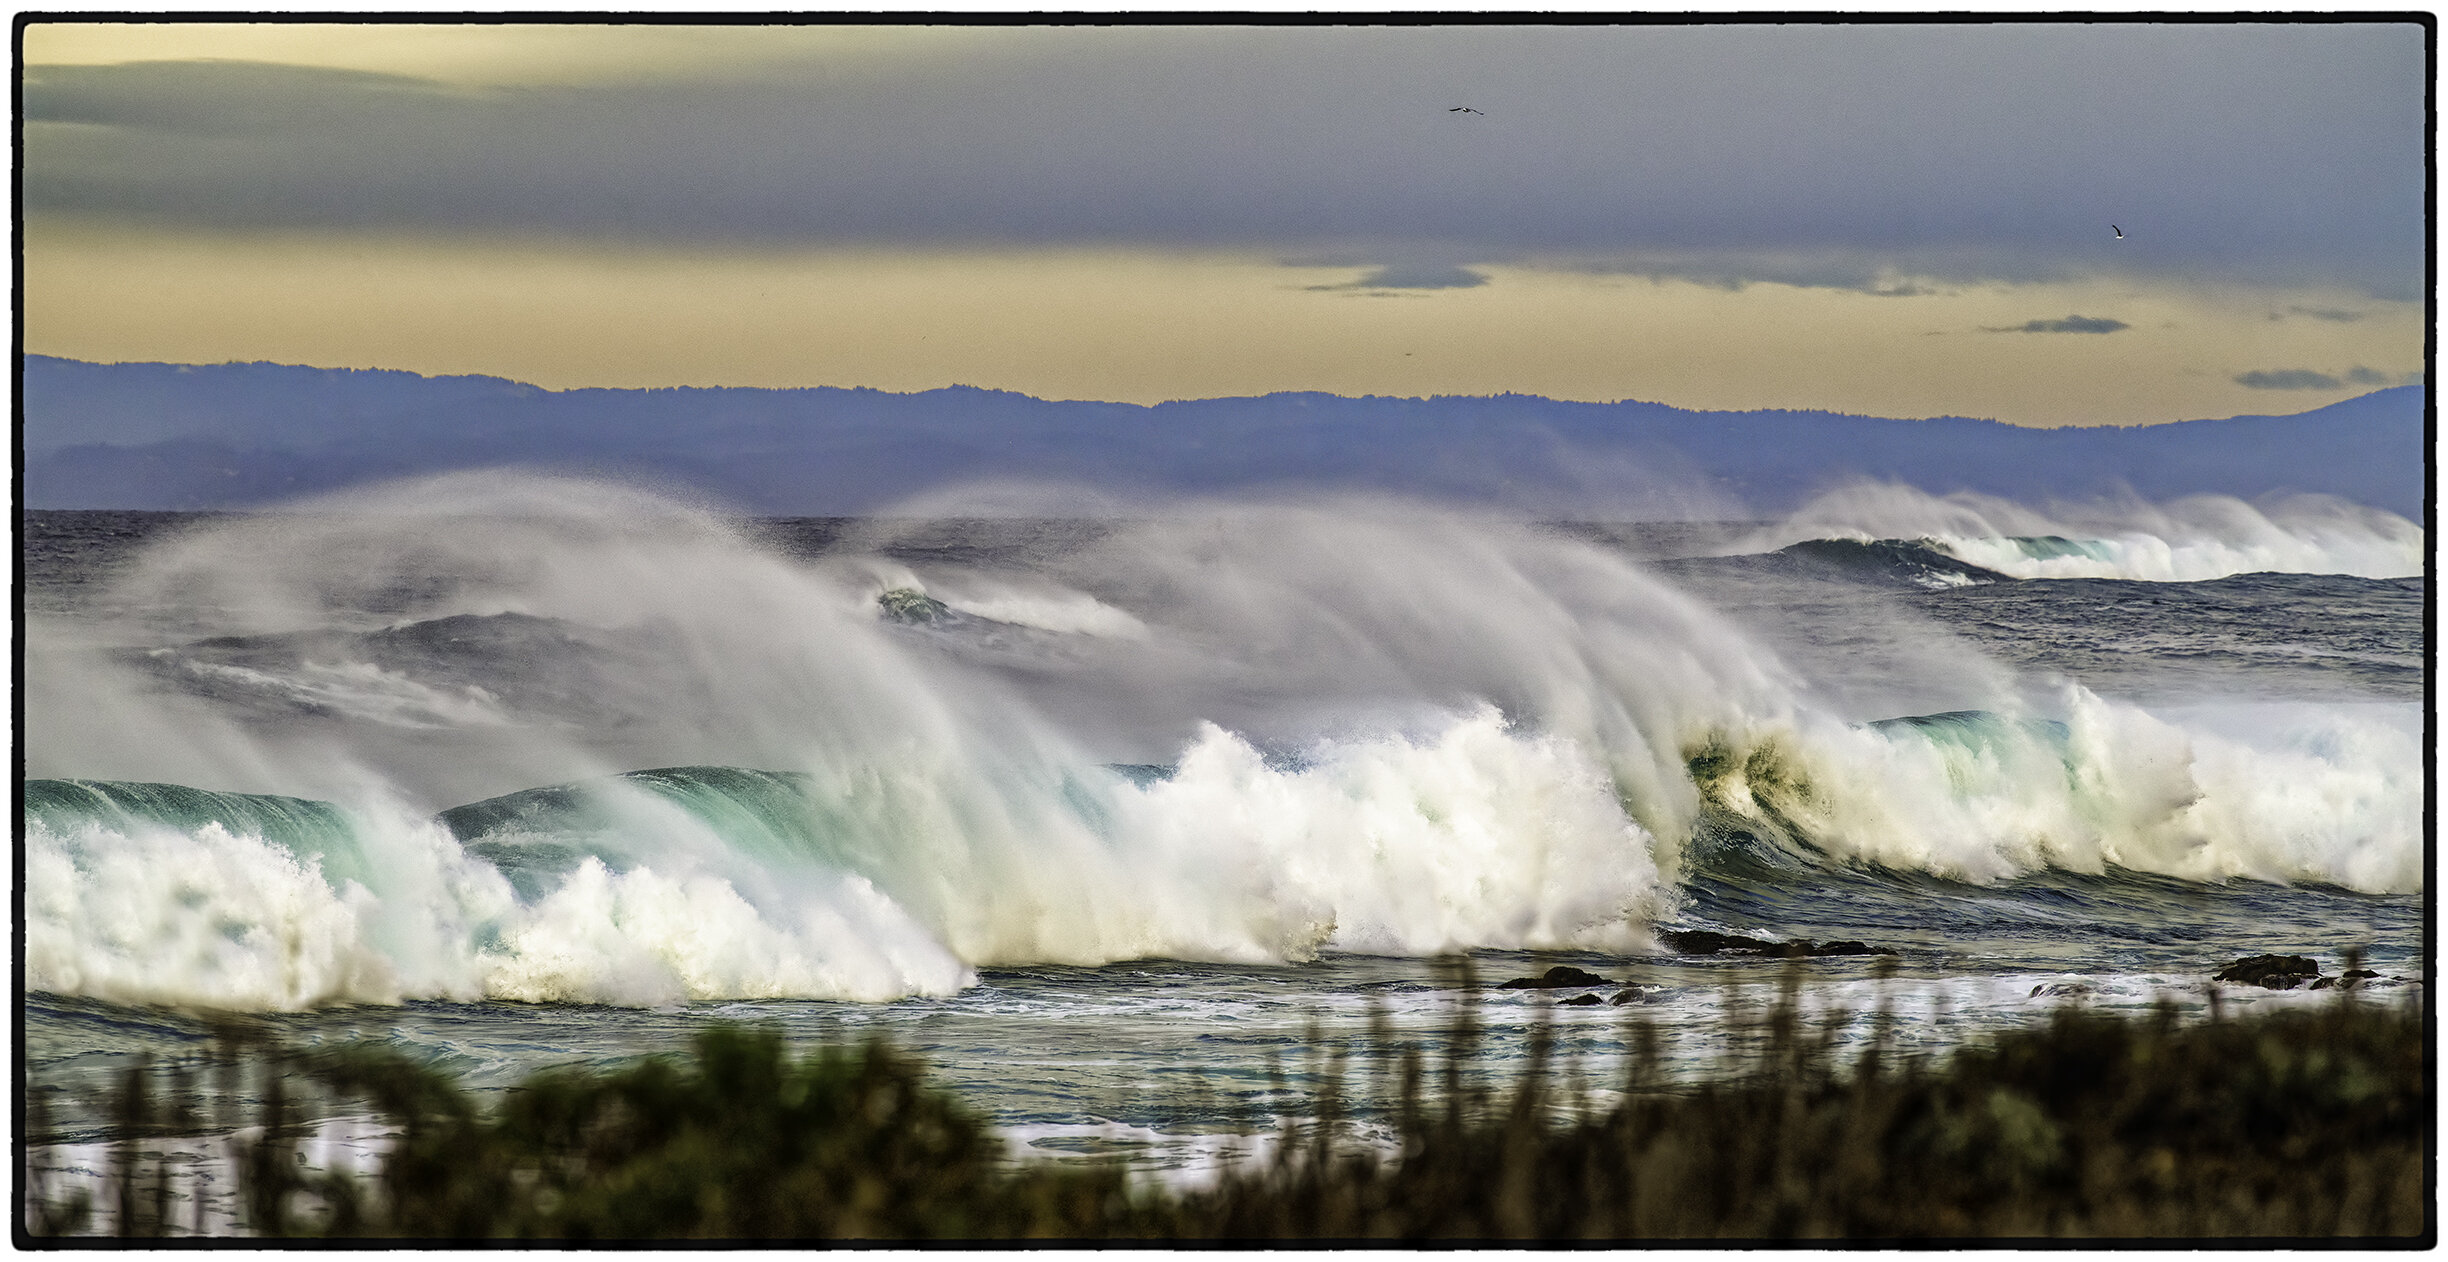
494 745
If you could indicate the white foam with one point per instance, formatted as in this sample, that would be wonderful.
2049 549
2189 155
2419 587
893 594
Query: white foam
1475 736
2286 792
203 917
1477 838
641 939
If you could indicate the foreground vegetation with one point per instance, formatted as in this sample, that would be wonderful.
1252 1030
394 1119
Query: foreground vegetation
2305 1122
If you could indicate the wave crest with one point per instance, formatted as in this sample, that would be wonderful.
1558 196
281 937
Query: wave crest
1383 730
2186 540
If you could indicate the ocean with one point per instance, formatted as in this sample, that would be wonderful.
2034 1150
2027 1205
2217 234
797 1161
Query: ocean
1131 826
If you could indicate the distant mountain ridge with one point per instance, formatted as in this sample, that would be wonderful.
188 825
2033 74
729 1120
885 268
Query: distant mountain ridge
172 436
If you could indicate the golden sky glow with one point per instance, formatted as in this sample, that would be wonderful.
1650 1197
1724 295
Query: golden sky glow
1142 328
494 55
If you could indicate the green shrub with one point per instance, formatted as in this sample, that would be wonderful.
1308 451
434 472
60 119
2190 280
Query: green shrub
2310 1122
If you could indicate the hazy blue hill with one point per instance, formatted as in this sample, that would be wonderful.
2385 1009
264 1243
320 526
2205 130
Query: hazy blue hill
197 436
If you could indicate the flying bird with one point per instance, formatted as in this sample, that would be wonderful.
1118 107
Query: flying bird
2117 230
1464 109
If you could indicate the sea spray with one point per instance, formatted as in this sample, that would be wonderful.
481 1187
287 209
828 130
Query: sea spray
1373 727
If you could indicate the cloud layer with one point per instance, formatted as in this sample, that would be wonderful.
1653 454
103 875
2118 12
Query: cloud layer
2070 324
2308 379
1845 155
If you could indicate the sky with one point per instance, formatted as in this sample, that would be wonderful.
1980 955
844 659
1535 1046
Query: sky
1889 219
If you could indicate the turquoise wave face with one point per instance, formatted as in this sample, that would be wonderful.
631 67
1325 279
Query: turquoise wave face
1977 731
304 827
535 837
2050 547
779 820
1973 744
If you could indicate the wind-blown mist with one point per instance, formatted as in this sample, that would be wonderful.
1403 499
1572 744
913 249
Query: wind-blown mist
490 735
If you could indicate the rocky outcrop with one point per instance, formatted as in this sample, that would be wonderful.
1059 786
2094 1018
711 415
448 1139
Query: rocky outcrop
2347 982
1557 978
2277 972
1710 942
1839 948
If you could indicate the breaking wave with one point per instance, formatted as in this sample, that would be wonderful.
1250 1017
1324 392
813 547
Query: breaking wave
1250 736
2186 540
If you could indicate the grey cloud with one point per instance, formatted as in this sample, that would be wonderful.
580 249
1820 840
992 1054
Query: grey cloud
2071 324
2307 379
243 100
2326 313
2288 379
1413 276
1794 153
1884 274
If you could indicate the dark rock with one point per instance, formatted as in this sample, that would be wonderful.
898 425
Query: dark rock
1851 948
2063 990
1581 999
1847 947
1634 995
1707 942
2347 982
1562 975
2276 972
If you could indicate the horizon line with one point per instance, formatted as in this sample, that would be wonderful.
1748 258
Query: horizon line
1122 403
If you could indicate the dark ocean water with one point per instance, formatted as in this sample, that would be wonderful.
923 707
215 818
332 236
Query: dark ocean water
1123 825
